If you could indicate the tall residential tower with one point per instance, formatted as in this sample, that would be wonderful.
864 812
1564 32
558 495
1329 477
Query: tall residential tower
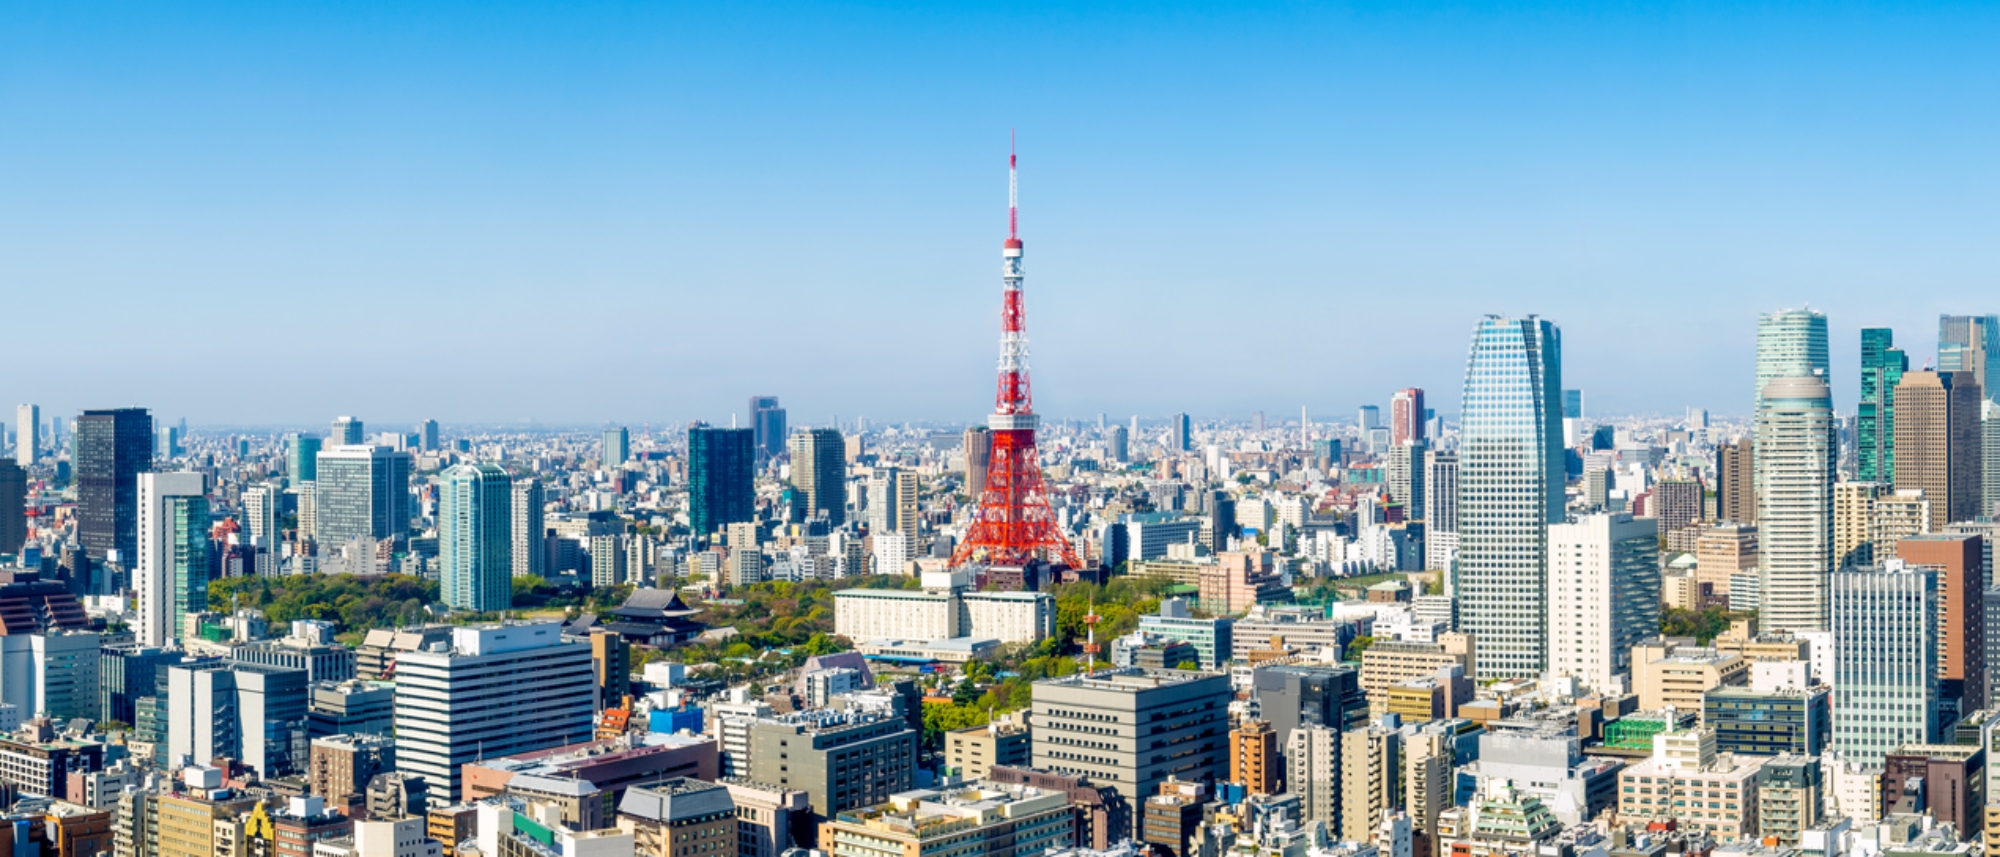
475 537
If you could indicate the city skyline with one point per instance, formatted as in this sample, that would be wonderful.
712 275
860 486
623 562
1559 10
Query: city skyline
1279 189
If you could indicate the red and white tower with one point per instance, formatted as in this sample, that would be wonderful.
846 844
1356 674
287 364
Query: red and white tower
1013 520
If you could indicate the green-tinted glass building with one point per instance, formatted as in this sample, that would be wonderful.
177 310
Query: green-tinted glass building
1882 367
721 471
476 538
302 459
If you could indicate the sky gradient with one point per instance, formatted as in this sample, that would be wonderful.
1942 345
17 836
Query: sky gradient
276 213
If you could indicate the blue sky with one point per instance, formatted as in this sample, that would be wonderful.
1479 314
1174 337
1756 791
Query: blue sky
265 213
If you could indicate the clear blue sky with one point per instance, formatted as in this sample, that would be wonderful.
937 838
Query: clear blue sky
266 212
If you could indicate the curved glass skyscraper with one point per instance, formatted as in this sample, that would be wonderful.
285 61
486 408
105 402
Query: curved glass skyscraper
1510 489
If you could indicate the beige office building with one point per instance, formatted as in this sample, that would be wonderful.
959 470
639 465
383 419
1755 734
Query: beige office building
1390 662
1665 674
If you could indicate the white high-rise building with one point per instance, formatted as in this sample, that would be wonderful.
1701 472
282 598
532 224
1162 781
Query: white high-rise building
475 538
27 434
1312 771
497 691
1885 661
1797 455
1511 481
171 577
1604 596
260 506
892 501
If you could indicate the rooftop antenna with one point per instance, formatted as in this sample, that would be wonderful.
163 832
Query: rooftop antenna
1013 192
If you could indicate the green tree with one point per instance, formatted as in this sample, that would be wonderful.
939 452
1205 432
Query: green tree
1187 665
1360 644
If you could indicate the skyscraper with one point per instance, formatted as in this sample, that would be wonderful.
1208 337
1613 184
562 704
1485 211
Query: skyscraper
768 421
302 458
819 472
1790 343
1404 476
260 506
1989 456
475 537
1116 444
427 435
1511 481
721 474
892 501
13 507
617 447
347 431
27 434
1440 492
1885 668
169 442
172 574
1969 343
1797 451
112 447
363 493
1406 417
1938 442
1676 503
1735 488
978 458
528 528
1882 368
1960 564
1573 404
1182 432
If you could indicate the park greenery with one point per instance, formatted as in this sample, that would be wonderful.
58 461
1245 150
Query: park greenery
1703 625
356 602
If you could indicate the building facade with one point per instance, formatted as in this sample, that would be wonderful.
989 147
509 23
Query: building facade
1107 726
475 538
497 690
1511 487
1937 443
721 468
362 494
1604 595
1797 451
1885 681
172 575
112 448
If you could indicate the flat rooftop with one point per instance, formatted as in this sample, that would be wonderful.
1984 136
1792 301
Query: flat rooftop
1129 679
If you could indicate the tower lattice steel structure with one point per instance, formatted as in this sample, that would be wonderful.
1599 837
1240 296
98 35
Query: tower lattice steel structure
1014 519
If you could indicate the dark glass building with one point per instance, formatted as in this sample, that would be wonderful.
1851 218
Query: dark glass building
768 421
1755 723
113 447
128 672
1293 696
721 468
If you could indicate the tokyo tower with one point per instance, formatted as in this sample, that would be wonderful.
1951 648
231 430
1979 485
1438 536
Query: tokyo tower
1013 519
